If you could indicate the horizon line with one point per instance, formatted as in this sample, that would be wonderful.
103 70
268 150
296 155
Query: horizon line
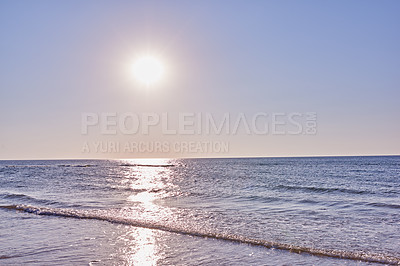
230 157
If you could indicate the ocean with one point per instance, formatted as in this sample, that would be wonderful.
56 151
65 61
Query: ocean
243 211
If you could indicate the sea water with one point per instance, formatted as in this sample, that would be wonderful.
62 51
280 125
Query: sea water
247 211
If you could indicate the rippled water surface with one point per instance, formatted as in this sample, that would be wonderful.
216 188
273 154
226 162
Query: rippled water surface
261 211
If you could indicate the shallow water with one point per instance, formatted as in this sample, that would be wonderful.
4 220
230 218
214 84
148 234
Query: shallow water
331 210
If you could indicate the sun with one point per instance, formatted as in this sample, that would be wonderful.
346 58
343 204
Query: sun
148 70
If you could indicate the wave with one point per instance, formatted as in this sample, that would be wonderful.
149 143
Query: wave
269 164
325 190
4 257
26 198
135 190
46 165
70 213
77 165
26 166
384 205
148 165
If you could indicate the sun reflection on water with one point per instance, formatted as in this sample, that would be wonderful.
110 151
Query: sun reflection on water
140 247
149 181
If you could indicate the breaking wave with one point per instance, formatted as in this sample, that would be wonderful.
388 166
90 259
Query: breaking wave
92 215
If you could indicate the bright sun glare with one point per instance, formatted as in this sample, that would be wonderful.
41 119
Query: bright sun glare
148 70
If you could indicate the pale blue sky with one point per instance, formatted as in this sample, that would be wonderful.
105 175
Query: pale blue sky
337 58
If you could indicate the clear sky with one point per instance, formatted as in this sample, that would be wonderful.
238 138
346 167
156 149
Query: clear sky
339 59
